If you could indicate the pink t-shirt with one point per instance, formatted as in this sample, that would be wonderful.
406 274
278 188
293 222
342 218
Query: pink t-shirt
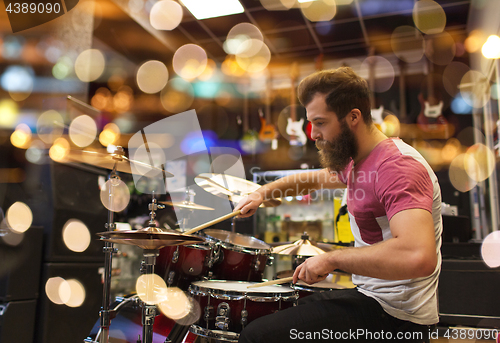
392 178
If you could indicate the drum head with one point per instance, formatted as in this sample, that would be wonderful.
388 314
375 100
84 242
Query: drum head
229 239
239 289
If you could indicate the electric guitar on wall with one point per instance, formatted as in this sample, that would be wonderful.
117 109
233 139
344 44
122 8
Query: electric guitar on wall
431 118
268 132
294 128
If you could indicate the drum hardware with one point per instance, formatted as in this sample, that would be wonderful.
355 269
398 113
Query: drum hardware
188 205
237 306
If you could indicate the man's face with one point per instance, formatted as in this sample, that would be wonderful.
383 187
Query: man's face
336 142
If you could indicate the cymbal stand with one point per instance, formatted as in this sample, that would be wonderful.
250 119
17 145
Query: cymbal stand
148 267
187 212
106 314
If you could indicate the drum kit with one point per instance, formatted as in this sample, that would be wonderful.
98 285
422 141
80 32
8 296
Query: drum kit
217 268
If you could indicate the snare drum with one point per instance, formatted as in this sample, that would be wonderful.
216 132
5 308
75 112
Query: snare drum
228 306
242 258
127 327
182 264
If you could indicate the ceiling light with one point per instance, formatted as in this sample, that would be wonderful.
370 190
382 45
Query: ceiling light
203 9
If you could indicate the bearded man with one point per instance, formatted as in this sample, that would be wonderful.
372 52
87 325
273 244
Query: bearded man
395 220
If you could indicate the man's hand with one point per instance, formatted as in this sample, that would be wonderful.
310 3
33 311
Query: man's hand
249 204
314 269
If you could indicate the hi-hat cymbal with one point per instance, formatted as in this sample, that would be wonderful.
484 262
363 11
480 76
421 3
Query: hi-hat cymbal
301 247
186 204
114 160
149 238
231 187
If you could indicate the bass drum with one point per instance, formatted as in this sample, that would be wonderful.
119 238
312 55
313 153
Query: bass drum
126 327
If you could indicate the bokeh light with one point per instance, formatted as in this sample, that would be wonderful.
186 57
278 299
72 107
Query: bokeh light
110 134
458 176
74 293
89 65
53 287
165 15
82 130
429 17
256 59
391 126
441 48
59 150
189 61
474 41
115 195
177 96
63 68
49 126
9 111
9 237
491 48
319 10
151 288
239 35
479 162
36 152
451 149
21 137
19 217
76 236
475 89
407 43
277 5
176 304
490 249
384 72
152 76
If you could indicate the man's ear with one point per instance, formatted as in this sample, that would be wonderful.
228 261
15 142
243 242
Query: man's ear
354 117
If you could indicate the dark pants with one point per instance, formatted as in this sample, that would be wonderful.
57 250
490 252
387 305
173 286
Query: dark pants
340 315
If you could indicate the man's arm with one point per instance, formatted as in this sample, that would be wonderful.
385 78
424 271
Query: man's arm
291 185
411 253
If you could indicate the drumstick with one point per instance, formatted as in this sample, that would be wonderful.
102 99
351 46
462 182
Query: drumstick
212 222
272 282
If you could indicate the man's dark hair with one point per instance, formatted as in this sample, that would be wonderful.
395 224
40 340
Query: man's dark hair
343 88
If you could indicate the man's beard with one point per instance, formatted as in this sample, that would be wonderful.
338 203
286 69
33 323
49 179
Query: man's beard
337 154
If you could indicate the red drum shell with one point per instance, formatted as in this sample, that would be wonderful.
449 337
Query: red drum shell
192 264
242 258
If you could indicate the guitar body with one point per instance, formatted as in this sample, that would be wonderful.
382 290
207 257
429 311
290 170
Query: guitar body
294 130
267 131
431 118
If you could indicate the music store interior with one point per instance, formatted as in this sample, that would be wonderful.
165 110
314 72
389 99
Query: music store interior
129 131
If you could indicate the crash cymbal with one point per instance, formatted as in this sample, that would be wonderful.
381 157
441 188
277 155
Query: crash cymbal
301 247
116 160
231 187
149 238
186 204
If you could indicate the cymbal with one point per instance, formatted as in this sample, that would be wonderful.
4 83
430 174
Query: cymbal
112 160
231 187
186 204
301 247
149 238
